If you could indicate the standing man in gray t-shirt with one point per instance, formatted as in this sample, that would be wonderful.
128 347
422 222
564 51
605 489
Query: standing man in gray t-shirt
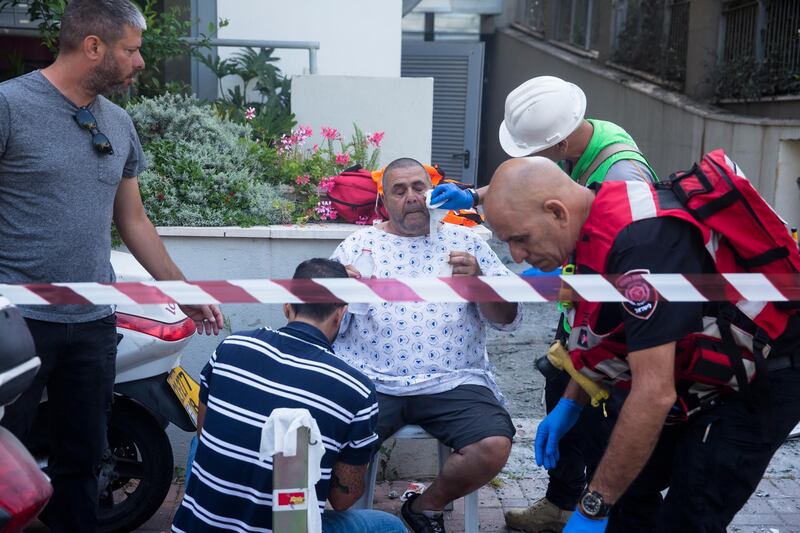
68 165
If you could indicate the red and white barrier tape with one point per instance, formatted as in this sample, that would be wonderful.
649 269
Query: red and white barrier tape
596 288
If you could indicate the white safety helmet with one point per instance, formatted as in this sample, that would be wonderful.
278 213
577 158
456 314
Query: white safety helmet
539 114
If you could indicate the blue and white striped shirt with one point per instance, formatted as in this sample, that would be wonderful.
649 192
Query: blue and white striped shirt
250 374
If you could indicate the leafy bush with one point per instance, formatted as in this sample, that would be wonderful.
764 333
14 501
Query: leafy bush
204 170
642 43
748 78
256 72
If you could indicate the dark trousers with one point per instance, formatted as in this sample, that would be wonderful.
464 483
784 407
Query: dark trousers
711 464
580 449
78 369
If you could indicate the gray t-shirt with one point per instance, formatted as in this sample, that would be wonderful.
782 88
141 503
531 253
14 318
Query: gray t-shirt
629 170
57 193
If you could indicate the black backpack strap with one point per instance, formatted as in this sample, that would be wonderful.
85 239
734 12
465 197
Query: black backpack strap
770 256
756 394
727 314
761 382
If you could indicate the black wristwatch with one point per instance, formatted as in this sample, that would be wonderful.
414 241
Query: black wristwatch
476 199
592 505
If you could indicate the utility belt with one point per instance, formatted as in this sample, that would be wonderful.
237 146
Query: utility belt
692 403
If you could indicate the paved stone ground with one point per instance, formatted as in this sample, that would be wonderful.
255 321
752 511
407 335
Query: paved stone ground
774 508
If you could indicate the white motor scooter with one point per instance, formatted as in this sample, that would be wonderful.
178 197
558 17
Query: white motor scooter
151 390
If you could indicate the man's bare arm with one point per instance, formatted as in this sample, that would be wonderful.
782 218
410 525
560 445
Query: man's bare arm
639 425
141 238
482 193
574 392
347 485
201 418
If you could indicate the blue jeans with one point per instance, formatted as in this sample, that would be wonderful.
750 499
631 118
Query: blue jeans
361 521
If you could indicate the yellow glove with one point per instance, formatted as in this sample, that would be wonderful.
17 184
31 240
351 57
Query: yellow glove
559 357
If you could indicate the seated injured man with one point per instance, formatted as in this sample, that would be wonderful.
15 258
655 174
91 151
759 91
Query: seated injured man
428 361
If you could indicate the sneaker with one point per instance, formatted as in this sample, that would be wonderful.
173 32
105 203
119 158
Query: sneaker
424 522
543 516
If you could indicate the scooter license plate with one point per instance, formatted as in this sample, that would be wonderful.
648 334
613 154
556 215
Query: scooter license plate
186 389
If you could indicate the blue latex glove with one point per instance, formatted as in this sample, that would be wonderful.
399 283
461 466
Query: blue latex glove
452 196
578 523
553 427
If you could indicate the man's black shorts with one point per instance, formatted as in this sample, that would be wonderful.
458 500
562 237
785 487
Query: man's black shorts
457 418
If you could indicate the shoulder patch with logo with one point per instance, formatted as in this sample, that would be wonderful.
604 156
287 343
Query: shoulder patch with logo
642 297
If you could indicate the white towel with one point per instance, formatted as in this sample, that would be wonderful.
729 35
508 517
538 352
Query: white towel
279 435
436 220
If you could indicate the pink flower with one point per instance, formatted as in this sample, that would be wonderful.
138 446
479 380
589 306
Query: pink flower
325 210
375 138
302 180
302 133
342 159
297 138
286 141
326 184
330 134
250 113
315 148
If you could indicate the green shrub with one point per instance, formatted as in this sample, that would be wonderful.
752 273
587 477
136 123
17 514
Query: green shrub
260 86
204 170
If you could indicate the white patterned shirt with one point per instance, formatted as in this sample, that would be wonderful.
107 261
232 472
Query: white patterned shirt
419 348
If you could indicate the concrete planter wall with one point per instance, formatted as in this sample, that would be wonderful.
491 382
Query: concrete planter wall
262 252
246 253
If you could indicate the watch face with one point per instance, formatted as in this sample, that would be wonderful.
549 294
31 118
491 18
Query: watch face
592 504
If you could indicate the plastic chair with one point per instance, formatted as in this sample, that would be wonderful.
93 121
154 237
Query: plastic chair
416 432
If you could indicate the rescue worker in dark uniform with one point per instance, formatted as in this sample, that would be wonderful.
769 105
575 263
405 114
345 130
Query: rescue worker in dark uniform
708 444
545 116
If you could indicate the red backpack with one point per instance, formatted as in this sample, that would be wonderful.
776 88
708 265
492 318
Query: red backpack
747 235
355 197
719 195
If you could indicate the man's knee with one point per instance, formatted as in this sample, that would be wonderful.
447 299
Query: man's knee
492 452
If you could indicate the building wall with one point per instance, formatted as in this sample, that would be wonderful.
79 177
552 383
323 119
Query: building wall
357 37
777 107
400 107
671 129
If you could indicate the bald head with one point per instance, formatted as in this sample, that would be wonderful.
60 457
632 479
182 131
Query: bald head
526 182
535 207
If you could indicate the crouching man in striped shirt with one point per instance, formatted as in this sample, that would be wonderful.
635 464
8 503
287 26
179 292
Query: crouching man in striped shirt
250 374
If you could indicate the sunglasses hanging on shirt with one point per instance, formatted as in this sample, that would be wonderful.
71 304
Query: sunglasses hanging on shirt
86 120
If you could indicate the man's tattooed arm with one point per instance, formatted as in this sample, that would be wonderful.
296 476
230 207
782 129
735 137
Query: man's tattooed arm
347 485
337 484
